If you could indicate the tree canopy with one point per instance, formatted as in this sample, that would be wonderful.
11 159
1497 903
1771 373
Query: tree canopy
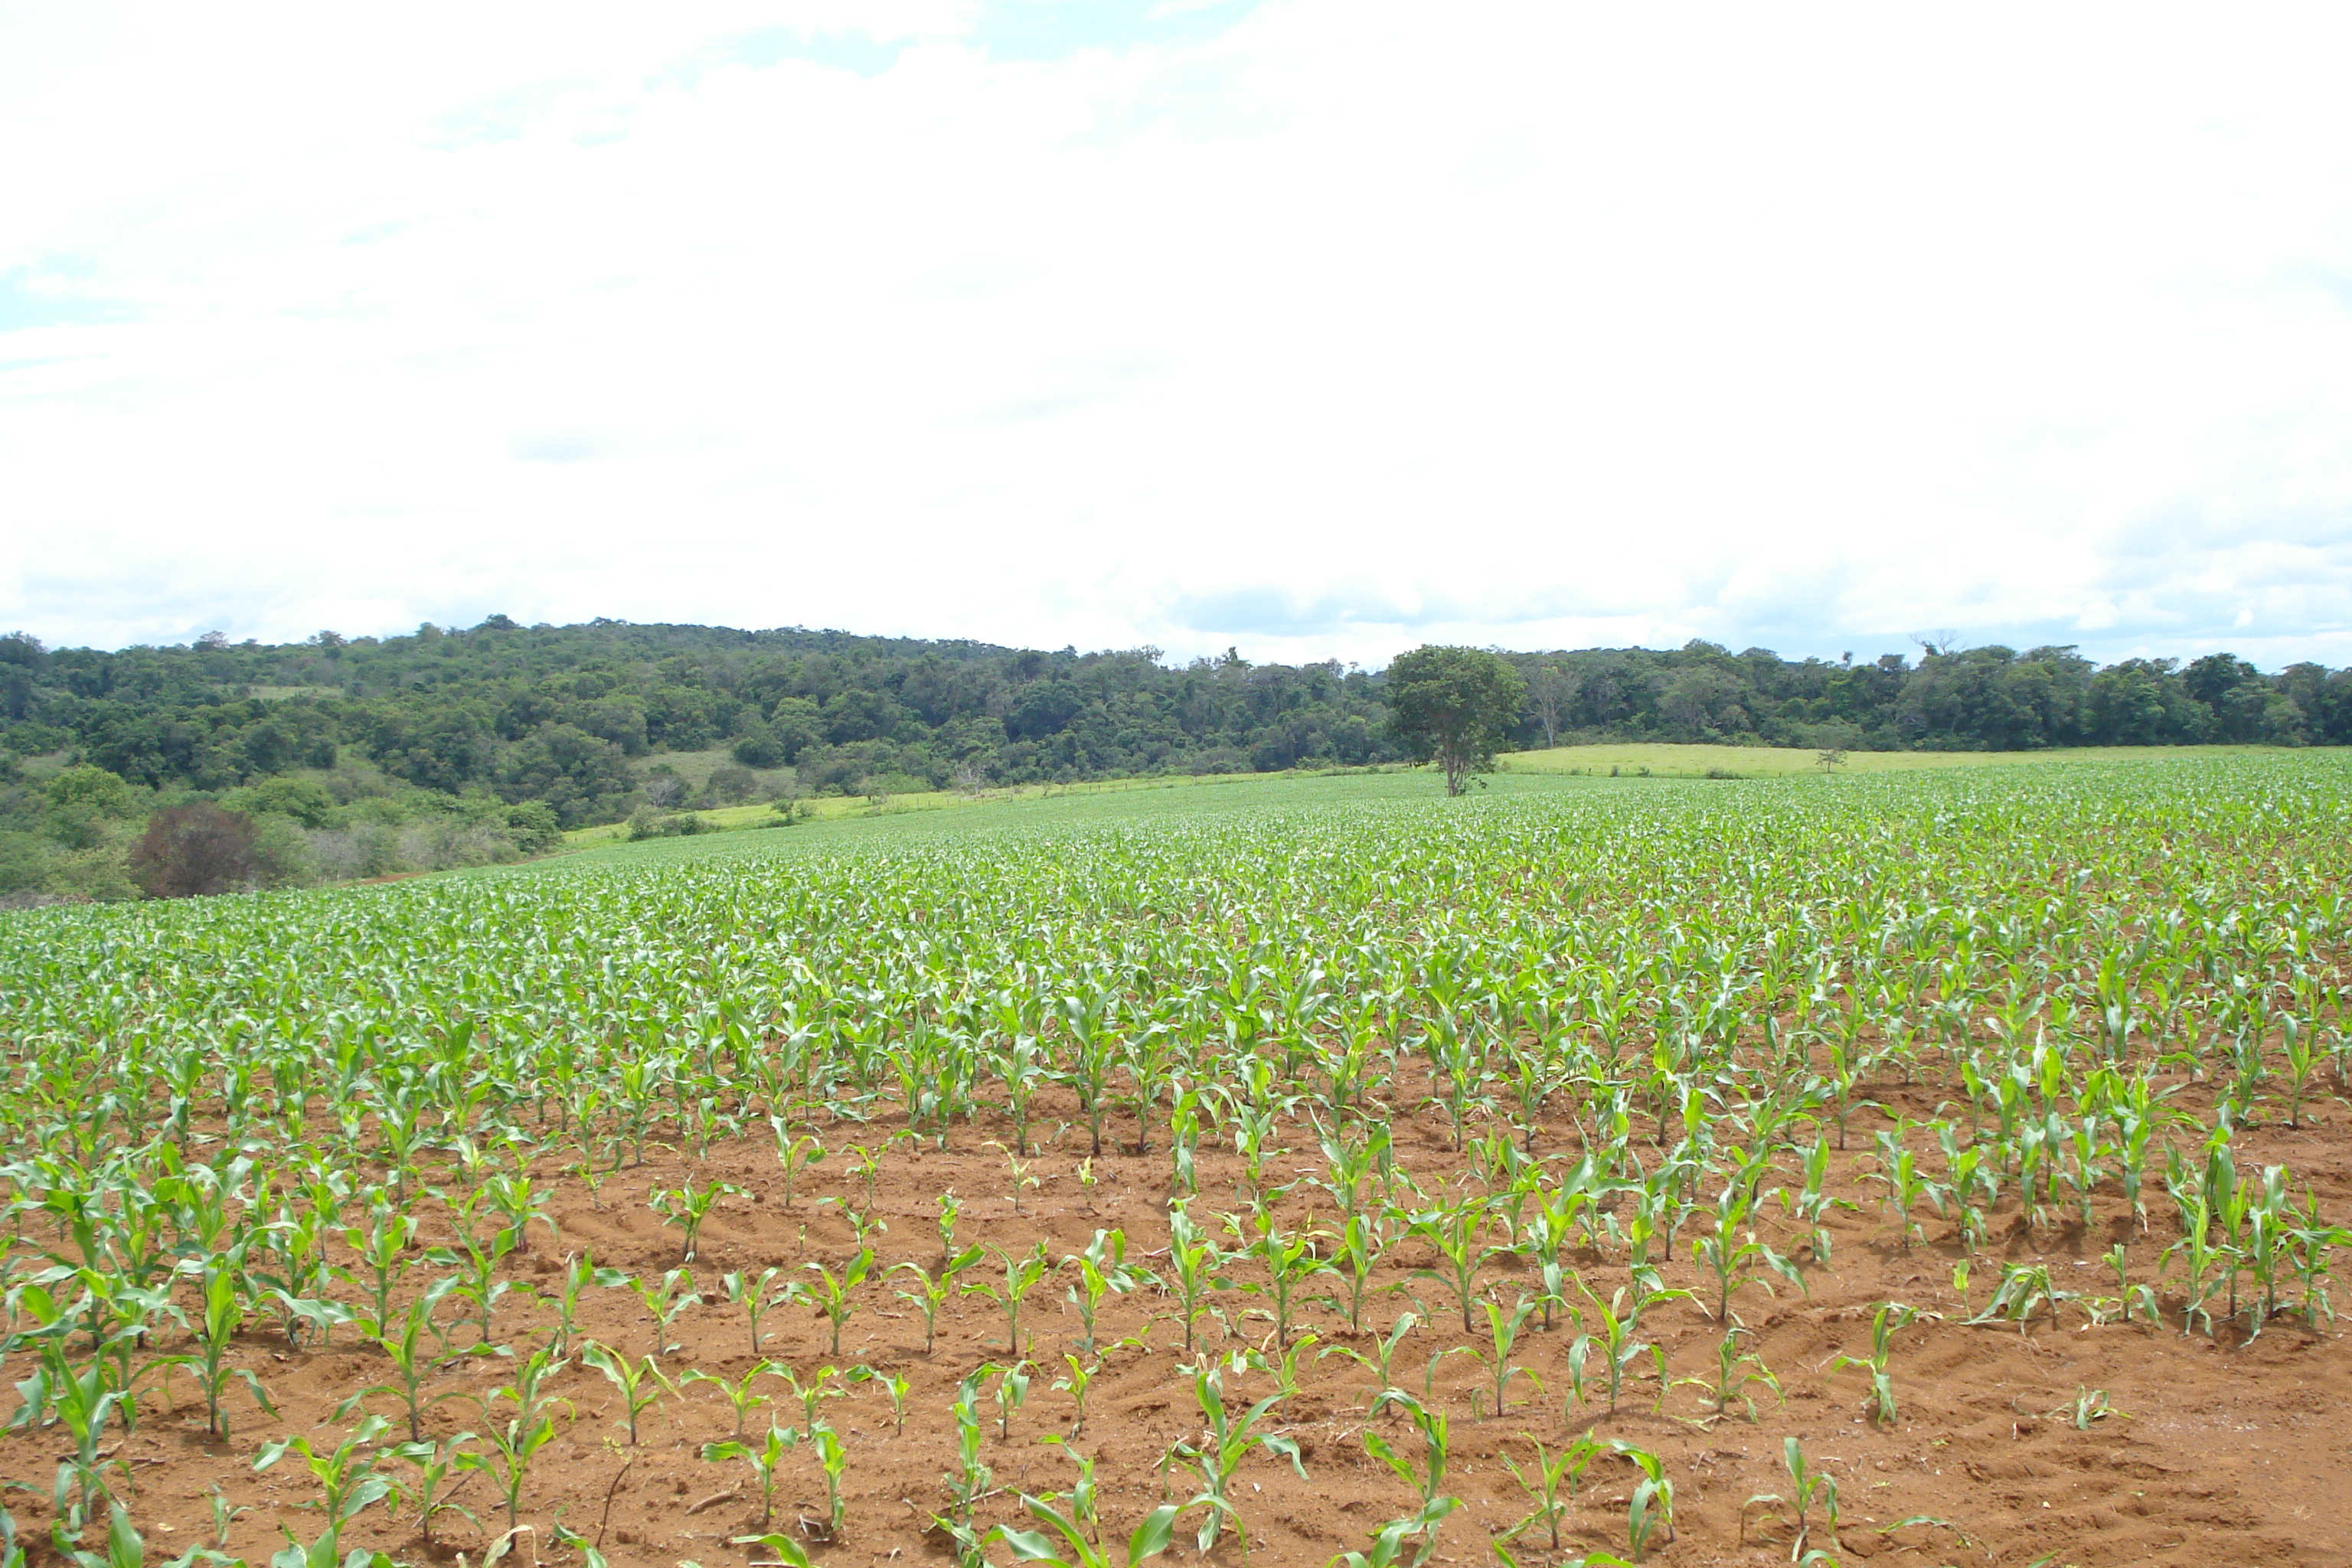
1455 706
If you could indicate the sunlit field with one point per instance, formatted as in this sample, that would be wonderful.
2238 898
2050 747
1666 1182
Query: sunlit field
1933 1167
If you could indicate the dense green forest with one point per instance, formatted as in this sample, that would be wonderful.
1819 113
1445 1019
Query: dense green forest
444 745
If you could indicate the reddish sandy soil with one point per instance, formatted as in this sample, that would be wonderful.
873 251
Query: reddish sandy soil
2220 1452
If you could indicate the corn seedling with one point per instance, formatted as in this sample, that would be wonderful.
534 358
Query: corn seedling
1436 1447
1074 1549
430 1494
1194 1264
833 1295
346 1476
1021 1274
763 1460
405 1348
665 1300
894 1385
512 1447
795 1154
1081 1378
1382 1358
832 1458
640 1383
754 1297
1735 1370
1218 1454
580 1271
1549 1482
687 1208
739 1394
932 1287
1651 1507
1503 1337
1388 1549
1889 1317
1618 1339
1809 1488
1102 1270
823 1384
221 1317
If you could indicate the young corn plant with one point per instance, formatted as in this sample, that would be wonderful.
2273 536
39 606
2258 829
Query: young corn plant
1102 1270
1289 1262
1218 1453
763 1460
740 1395
346 1476
430 1495
823 1384
384 1248
512 1447
753 1296
640 1383
1382 1357
1735 1370
1453 1234
83 1403
404 1347
1879 1405
971 1479
1074 1550
832 1458
795 1154
1651 1506
933 1289
580 1271
1195 1265
223 1314
665 1300
1906 1188
1502 1338
833 1295
478 1262
894 1385
1363 1239
1081 1379
1389 1540
1726 1250
687 1208
1809 1489
1021 1274
1618 1339
1550 1482
1012 1394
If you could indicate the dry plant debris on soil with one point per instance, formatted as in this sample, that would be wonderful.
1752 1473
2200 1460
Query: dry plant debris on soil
1932 1171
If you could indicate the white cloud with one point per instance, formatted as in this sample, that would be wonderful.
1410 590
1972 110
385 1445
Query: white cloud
1321 326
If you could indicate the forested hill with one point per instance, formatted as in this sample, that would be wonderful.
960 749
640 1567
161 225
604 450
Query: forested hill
555 713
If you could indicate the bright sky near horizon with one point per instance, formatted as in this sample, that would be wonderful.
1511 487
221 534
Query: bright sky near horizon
1321 328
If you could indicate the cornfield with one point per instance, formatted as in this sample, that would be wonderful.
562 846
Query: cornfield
1691 1174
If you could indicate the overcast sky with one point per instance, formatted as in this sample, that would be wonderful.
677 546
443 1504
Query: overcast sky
1322 328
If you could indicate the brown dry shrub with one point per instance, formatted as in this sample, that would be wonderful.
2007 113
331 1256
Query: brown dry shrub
196 849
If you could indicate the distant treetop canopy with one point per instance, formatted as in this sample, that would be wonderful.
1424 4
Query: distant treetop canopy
554 713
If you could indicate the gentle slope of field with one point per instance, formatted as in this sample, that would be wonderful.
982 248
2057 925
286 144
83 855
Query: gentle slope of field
1983 1133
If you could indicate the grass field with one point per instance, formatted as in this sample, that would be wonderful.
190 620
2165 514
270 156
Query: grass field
1518 771
1263 1166
1662 760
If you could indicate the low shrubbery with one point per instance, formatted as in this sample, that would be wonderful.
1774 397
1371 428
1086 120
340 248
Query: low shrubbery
83 835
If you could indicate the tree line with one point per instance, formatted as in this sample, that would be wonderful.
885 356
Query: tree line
499 714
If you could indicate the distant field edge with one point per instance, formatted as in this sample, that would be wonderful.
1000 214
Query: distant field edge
1667 760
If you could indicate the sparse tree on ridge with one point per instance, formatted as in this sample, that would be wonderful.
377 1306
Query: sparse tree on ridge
1454 706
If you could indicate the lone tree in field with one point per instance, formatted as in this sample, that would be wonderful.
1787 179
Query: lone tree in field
1455 705
194 849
